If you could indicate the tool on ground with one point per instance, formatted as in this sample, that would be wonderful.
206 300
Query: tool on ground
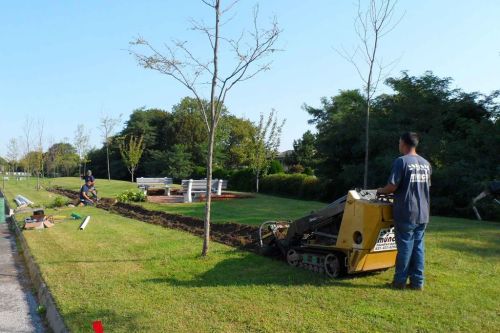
351 235
85 222
76 216
493 189
38 220
57 217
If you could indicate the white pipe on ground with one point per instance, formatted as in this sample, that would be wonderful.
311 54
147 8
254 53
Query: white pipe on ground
26 200
84 223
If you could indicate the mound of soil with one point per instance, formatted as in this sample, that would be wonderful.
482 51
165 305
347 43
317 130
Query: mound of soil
238 235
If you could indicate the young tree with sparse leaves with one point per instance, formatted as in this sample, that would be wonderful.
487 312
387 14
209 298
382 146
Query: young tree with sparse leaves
371 25
81 143
107 127
131 152
27 132
265 144
38 166
13 153
248 50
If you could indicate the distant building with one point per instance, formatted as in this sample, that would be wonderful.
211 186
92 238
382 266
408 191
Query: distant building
284 157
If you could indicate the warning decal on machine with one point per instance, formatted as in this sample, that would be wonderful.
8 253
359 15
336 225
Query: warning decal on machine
386 240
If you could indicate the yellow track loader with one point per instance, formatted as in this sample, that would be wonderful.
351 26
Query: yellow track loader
351 235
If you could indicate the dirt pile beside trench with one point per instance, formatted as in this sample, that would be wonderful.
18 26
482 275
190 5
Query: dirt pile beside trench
234 234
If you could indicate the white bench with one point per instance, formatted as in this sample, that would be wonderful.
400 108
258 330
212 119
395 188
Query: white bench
149 183
190 186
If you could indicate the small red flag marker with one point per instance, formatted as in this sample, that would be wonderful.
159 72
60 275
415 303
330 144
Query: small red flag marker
97 326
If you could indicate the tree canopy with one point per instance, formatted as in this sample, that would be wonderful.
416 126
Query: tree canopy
459 136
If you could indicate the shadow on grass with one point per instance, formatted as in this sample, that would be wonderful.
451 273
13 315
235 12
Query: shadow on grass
247 271
112 321
490 248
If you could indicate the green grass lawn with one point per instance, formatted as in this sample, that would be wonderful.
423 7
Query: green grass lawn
106 188
248 211
141 277
27 187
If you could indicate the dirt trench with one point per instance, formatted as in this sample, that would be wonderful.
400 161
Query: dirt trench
233 234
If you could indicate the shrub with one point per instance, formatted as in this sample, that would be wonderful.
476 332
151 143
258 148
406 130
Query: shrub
275 167
58 202
199 172
294 185
308 171
220 173
297 168
242 180
131 196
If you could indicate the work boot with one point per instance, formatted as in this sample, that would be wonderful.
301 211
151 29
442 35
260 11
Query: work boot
395 285
416 288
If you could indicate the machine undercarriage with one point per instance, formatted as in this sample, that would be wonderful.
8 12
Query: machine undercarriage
340 238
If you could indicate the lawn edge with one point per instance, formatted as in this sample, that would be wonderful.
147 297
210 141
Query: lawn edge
52 315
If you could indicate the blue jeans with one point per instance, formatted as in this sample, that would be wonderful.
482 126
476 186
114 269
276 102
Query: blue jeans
86 202
411 253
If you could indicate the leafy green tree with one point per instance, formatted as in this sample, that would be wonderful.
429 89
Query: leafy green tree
131 152
179 162
459 135
275 167
236 141
189 128
153 124
62 157
339 140
304 150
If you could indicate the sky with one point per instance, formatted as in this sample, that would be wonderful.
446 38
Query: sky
67 62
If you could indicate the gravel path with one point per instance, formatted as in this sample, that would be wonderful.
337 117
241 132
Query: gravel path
17 303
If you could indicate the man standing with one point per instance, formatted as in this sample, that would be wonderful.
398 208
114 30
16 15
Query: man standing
410 180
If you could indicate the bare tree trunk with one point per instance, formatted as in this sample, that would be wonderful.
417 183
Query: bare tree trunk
367 145
107 160
208 195
132 174
211 139
257 182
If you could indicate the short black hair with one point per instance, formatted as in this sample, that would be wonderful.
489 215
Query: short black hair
410 138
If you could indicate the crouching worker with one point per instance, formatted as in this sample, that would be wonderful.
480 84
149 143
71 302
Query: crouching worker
85 191
92 190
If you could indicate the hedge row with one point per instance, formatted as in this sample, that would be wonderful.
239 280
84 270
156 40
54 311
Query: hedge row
294 185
